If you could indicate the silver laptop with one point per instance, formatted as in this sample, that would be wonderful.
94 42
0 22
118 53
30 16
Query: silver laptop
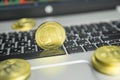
94 20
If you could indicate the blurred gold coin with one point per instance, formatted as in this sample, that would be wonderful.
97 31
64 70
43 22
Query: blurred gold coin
108 54
24 24
106 59
14 69
50 35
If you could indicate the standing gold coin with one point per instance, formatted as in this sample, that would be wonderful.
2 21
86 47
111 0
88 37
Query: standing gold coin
50 35
106 59
24 24
14 69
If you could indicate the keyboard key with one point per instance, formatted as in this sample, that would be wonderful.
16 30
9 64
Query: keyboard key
29 49
74 30
69 44
68 30
105 26
89 28
3 35
108 38
7 40
114 22
111 33
15 51
83 36
20 44
9 45
95 40
80 29
101 44
95 34
118 25
115 44
89 47
3 52
0 46
71 38
17 39
82 42
13 34
75 49
114 41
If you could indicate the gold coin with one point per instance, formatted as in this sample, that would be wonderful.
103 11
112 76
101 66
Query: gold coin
24 24
104 68
106 59
108 54
50 35
14 69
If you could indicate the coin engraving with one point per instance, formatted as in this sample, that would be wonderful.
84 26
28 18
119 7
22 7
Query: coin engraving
106 60
50 35
24 24
13 69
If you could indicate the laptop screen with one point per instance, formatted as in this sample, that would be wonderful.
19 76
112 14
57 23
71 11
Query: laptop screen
24 2
41 8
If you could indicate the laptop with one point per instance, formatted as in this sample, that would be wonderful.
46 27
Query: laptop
89 24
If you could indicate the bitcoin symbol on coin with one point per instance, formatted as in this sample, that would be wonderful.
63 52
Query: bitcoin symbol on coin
106 59
50 35
114 53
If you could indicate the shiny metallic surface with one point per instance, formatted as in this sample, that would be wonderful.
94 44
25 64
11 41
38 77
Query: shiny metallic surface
106 59
50 35
24 24
14 69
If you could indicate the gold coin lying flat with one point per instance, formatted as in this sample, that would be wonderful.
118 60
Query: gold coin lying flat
14 69
108 54
106 59
24 24
50 35
104 68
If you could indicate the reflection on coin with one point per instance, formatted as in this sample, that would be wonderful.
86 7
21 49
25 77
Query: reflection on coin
14 69
52 52
50 35
52 70
24 24
106 59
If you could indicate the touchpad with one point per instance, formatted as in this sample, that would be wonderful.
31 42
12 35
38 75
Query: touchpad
78 71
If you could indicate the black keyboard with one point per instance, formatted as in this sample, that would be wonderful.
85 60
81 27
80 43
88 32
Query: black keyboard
80 38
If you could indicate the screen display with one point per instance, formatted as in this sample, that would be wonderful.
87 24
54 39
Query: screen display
41 8
16 2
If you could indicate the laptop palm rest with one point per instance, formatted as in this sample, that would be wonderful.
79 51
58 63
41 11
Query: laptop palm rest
78 71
